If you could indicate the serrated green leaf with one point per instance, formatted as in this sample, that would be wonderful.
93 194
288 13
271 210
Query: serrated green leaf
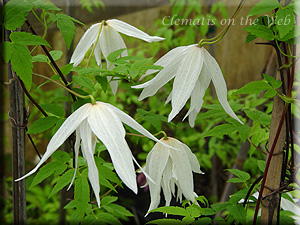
244 131
114 55
63 181
154 119
84 82
166 222
172 210
56 54
242 176
16 12
261 165
43 124
108 219
39 58
81 193
270 93
106 200
45 172
21 63
238 212
27 39
202 221
255 87
102 81
261 31
220 206
194 210
6 50
56 110
250 37
285 20
258 116
138 64
263 7
221 130
45 6
66 26
70 205
66 69
61 156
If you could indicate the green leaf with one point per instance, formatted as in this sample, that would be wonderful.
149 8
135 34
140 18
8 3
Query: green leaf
45 6
261 31
114 55
194 210
255 87
220 206
166 222
238 212
21 63
154 119
66 26
102 81
16 12
39 58
275 84
43 124
202 221
244 131
81 193
84 82
61 156
63 181
56 54
56 110
261 165
138 64
258 116
242 176
263 7
172 210
221 130
249 38
285 20
46 171
106 218
106 200
66 69
5 49
27 39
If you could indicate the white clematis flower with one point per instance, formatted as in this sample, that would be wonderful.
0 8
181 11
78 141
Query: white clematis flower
168 167
102 121
192 68
106 38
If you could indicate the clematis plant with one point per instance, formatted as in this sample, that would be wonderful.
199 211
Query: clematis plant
192 68
103 121
105 38
169 167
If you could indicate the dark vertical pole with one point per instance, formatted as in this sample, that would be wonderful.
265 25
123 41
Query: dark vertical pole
17 115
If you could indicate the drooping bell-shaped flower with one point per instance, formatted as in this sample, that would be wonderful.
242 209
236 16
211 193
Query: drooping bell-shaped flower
169 168
192 68
106 38
103 121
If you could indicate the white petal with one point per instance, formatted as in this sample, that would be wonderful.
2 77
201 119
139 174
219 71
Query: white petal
109 129
110 41
85 43
132 123
185 79
192 158
169 98
76 149
168 59
97 53
219 83
156 165
86 145
167 175
183 171
66 129
131 31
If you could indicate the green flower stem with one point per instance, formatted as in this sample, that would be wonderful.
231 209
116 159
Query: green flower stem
38 18
289 56
67 89
94 46
164 133
224 31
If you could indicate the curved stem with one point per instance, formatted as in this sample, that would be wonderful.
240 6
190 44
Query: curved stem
94 46
162 132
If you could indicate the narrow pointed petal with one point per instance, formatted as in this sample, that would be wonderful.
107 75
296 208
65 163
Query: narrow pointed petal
97 53
66 129
185 79
167 175
192 158
131 31
85 43
108 128
219 83
183 171
132 123
142 170
167 59
76 153
169 98
86 144
110 41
